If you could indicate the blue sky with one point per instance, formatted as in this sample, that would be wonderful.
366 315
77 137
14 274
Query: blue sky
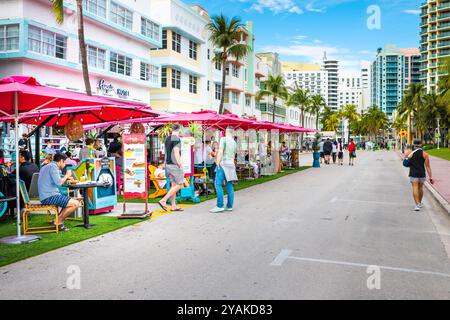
301 30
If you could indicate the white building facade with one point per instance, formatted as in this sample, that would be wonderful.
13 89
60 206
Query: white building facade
350 92
119 35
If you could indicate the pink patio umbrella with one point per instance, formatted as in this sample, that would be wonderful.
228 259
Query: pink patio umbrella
22 96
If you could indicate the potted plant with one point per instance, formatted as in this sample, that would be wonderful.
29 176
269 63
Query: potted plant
316 148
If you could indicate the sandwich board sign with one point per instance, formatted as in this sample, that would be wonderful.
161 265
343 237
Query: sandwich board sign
135 172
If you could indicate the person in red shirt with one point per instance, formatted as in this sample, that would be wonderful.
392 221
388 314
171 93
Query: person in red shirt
351 153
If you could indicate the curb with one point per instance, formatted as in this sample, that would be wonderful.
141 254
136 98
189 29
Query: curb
444 204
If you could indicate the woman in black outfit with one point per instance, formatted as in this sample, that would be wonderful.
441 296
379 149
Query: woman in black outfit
419 161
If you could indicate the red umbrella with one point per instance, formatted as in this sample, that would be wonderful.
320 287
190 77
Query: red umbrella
207 118
21 95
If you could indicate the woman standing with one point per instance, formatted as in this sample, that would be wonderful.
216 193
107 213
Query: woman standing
351 153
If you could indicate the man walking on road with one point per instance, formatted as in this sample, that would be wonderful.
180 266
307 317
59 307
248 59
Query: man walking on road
322 156
174 168
225 171
419 160
327 148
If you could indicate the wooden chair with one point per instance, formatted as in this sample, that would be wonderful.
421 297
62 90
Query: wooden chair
30 208
160 192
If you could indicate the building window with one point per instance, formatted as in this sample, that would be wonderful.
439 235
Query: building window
192 50
176 79
149 72
235 71
149 29
218 63
164 39
227 70
176 42
46 42
248 101
9 37
121 16
120 64
192 84
163 77
96 7
207 86
209 54
235 98
96 57
218 91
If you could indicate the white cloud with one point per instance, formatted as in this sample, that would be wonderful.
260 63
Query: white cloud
310 7
276 6
412 11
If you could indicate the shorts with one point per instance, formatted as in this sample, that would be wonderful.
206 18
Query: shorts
327 153
352 154
58 200
321 154
175 174
341 155
414 179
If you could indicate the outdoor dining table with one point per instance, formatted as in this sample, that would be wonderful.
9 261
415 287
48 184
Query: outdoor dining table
83 187
8 199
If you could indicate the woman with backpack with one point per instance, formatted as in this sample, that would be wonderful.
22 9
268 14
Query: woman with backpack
351 153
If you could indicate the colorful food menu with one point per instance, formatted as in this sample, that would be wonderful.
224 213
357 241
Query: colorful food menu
187 154
134 165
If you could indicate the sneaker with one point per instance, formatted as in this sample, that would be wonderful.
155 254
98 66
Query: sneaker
420 205
228 209
417 208
217 210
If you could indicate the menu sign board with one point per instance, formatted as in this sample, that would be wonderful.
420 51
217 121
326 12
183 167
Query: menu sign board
187 154
134 165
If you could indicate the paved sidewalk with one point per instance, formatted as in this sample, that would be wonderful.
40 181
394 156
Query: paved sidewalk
441 175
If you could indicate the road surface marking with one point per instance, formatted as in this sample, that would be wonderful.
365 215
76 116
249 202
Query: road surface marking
279 259
377 202
285 254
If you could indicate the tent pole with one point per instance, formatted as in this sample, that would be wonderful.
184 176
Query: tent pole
19 239
16 135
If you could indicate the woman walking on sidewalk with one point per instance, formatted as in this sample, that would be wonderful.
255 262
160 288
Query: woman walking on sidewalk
419 160
351 153
225 171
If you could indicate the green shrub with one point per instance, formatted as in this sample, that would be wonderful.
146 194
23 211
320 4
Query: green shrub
428 147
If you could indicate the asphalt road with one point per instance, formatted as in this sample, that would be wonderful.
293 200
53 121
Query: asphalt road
310 235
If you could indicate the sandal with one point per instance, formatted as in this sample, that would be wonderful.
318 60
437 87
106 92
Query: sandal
162 207
177 209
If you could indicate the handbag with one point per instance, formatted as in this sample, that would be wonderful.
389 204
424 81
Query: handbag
406 161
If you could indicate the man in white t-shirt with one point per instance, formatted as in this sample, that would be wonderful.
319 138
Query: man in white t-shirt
160 173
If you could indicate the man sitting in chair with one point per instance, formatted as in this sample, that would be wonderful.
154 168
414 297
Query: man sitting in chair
48 184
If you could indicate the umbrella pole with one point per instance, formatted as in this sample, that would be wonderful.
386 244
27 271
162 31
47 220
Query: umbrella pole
19 239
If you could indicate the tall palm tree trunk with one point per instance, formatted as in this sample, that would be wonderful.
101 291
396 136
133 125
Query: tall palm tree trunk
317 121
84 64
224 75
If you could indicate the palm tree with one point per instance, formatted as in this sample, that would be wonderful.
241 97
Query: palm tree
432 110
444 81
376 120
274 87
326 113
301 99
225 34
350 113
58 12
412 101
317 102
332 122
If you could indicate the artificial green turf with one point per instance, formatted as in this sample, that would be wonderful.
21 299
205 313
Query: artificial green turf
241 184
49 242
13 253
443 153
